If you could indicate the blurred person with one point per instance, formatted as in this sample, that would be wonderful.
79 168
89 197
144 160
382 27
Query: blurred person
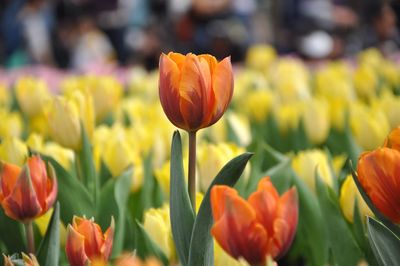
379 28
37 21
92 48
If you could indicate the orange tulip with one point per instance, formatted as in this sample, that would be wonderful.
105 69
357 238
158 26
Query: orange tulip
194 90
379 173
27 193
86 242
262 226
393 140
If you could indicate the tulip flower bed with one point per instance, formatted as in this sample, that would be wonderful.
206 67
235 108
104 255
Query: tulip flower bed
278 162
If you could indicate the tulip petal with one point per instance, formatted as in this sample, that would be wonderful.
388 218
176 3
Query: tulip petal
51 188
22 204
37 169
75 248
286 223
238 233
8 178
218 202
93 236
192 89
168 90
222 79
108 240
378 172
393 140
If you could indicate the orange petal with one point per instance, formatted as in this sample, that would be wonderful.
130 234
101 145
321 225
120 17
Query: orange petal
238 232
75 248
222 78
51 188
169 90
8 177
37 169
218 196
393 140
379 172
286 222
22 204
94 239
108 240
192 90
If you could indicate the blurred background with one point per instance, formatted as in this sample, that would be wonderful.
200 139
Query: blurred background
81 33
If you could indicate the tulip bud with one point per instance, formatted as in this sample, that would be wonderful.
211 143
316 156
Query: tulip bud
158 227
212 157
86 242
11 124
260 57
348 196
389 103
29 192
316 120
194 90
65 116
369 126
27 260
13 150
306 162
31 95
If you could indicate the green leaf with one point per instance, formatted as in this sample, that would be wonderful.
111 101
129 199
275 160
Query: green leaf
181 212
201 245
145 246
14 241
311 237
345 250
86 168
113 201
105 173
384 243
393 227
49 250
73 197
146 195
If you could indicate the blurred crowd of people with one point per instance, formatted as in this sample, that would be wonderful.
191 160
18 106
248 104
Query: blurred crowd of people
81 33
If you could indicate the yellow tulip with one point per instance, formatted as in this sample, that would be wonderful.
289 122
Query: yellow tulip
390 73
240 126
390 104
38 123
288 116
294 88
260 57
371 57
157 225
221 258
246 81
35 142
365 82
258 104
65 116
14 151
64 123
211 159
118 155
31 94
316 120
348 196
11 124
5 96
369 126
305 164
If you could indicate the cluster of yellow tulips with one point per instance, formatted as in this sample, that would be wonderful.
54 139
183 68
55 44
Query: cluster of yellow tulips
96 149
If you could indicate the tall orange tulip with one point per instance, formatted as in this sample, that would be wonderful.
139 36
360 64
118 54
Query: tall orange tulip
262 226
27 193
194 90
379 175
86 242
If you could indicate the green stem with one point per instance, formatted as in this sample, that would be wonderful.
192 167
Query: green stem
192 169
30 237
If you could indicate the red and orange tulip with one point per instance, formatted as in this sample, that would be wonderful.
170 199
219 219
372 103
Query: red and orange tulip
194 90
262 226
86 242
379 172
27 193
